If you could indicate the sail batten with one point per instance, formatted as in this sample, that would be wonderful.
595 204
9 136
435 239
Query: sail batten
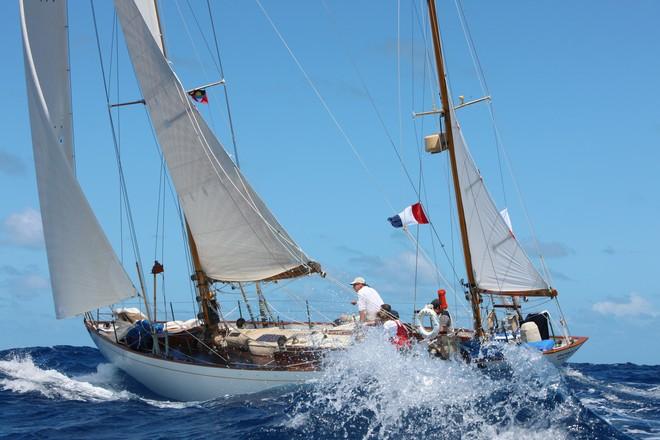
84 270
499 261
236 236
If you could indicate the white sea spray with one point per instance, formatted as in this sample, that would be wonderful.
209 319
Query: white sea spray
20 374
374 391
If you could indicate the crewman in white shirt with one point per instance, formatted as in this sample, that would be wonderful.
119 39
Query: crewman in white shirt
368 302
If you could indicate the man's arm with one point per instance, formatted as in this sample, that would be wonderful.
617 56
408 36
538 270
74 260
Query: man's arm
363 315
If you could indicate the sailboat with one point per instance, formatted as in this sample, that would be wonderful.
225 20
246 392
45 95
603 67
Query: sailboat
496 264
233 238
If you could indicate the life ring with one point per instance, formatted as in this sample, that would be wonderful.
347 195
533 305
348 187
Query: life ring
435 323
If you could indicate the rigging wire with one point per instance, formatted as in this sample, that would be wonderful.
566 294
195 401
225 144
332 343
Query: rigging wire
398 69
429 75
423 190
225 89
286 243
218 169
325 105
501 151
194 48
378 115
115 53
482 81
215 164
179 211
124 190
219 67
160 227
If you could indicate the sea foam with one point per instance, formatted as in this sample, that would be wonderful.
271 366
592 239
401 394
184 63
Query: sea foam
376 391
21 375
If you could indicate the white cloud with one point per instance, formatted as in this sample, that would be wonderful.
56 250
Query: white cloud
22 282
636 306
397 271
23 229
549 249
11 164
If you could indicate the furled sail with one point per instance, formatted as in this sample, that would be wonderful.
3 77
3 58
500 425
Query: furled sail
237 237
500 263
84 270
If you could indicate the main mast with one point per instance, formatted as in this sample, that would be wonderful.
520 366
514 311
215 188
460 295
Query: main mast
475 297
205 296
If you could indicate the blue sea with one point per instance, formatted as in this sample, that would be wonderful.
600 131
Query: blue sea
66 392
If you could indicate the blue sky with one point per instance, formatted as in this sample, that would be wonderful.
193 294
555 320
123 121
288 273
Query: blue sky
574 89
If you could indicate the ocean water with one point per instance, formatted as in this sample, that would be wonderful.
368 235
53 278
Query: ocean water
370 391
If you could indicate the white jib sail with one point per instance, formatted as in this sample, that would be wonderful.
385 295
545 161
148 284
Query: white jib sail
84 271
500 263
237 237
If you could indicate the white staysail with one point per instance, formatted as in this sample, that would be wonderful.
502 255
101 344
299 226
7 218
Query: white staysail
84 270
500 263
237 237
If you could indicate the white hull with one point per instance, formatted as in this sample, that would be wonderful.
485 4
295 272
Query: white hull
194 382
191 382
560 355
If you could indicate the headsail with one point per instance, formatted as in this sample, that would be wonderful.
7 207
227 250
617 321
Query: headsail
500 263
84 270
149 11
237 237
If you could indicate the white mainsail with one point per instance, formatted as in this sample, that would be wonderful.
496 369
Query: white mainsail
237 237
84 271
500 263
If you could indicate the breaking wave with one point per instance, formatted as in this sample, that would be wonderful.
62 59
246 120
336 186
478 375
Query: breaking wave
19 374
369 391
374 390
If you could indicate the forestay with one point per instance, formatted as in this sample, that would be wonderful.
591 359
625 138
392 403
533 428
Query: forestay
84 270
237 237
500 263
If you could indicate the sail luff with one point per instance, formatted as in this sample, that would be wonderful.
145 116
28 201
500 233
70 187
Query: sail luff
494 260
237 237
500 263
84 270
55 83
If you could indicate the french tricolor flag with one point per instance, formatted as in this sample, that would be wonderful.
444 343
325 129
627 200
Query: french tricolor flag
412 215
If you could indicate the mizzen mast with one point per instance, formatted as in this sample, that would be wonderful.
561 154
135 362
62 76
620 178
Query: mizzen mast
475 297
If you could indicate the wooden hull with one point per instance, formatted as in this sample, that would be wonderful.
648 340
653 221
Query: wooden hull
193 382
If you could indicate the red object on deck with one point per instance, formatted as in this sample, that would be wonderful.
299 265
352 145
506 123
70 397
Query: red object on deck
401 340
442 297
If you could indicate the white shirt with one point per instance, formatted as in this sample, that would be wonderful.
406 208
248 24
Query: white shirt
369 301
390 327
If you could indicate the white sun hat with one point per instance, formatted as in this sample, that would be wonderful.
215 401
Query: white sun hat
358 280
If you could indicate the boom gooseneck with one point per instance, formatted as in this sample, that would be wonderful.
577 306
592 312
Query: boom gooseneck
475 297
